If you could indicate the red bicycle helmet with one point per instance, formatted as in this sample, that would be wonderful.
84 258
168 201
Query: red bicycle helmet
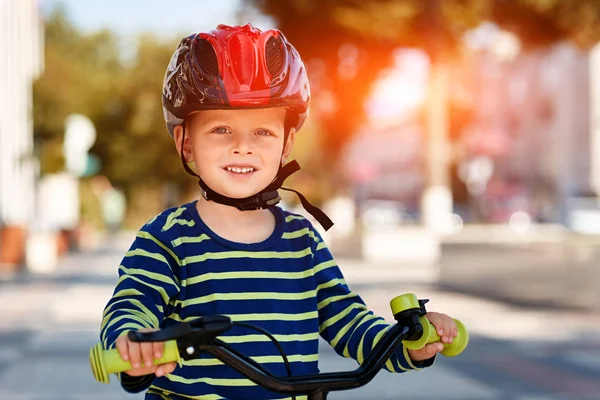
235 67
239 67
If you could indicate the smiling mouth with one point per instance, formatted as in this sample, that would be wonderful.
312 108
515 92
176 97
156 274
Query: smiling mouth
240 170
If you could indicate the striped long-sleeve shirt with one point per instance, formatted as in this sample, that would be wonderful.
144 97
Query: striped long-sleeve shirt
177 269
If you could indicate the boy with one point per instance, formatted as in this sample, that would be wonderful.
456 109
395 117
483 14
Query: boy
233 99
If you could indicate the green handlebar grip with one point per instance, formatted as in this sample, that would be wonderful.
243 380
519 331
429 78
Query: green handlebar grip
105 362
430 336
409 301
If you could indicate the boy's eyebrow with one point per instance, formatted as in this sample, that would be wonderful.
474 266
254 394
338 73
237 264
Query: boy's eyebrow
212 123
271 124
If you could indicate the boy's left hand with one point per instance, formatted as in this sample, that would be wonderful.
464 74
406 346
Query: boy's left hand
446 330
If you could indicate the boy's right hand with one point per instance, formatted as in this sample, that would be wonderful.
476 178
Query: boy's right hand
142 355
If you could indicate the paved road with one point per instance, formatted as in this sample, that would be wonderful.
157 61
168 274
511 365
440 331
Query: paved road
48 325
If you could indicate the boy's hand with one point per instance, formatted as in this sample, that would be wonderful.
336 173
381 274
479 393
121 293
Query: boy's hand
142 355
446 330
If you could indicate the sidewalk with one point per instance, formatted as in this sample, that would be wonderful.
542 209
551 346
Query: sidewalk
51 322
547 267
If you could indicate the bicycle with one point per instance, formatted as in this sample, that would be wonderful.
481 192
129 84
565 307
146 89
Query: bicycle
188 339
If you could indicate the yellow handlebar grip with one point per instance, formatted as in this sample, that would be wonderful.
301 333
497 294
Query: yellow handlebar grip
457 346
105 362
409 301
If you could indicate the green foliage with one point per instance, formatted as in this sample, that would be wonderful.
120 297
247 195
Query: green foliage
84 73
135 145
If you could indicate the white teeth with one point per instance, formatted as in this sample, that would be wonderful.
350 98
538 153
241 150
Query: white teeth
240 170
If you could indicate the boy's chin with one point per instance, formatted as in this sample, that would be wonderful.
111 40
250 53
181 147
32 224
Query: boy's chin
240 193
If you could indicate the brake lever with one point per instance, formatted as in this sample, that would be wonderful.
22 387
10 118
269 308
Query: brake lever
188 335
181 341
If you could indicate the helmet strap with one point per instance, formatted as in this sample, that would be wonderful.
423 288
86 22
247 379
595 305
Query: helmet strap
266 198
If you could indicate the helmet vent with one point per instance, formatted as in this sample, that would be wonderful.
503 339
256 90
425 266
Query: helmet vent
207 58
275 55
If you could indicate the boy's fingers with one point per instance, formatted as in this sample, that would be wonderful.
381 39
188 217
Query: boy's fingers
134 354
448 329
166 369
437 321
432 349
452 330
441 329
158 349
123 349
445 327
147 354
141 371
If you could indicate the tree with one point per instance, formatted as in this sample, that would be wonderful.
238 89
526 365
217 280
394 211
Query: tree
80 72
138 147
86 73
333 34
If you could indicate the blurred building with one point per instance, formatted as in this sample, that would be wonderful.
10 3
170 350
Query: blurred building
532 120
526 145
385 168
21 49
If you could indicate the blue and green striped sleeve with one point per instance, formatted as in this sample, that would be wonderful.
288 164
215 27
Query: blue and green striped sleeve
147 283
345 322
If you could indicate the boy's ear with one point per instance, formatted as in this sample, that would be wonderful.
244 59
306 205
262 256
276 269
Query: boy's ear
187 147
288 146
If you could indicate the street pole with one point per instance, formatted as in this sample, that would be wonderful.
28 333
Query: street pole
595 119
436 206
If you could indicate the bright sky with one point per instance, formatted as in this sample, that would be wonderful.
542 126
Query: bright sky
162 17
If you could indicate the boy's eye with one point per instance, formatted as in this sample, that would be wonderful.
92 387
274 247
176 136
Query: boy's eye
220 129
264 132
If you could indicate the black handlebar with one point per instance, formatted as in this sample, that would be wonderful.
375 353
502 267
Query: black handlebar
188 339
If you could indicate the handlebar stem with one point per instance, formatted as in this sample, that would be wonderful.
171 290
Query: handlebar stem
312 384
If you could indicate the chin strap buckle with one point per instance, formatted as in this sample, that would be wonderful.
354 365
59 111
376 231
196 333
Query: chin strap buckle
263 200
269 197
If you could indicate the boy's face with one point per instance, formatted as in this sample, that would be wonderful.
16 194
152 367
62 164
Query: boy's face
236 152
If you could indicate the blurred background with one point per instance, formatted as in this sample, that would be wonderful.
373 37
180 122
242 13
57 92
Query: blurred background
455 144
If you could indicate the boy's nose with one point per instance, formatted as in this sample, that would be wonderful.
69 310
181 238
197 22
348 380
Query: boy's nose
242 146
242 151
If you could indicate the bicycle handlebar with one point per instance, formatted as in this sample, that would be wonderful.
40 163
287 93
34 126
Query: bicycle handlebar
186 340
